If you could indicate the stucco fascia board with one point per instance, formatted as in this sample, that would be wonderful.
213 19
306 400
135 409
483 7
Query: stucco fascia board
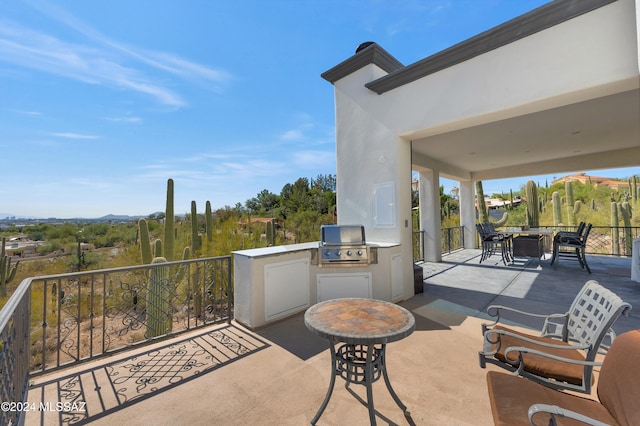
373 54
525 25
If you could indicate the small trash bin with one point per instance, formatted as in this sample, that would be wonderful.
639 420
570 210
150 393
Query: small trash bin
418 277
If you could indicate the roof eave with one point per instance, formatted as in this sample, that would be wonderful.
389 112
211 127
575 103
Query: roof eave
539 19
372 54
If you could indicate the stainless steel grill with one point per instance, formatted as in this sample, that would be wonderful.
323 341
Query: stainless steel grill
343 245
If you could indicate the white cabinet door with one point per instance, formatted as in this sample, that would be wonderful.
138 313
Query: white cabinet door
286 288
341 285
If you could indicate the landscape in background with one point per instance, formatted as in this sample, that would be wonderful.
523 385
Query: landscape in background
51 246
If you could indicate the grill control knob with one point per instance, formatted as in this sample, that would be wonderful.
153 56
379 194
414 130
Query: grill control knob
338 253
359 252
348 252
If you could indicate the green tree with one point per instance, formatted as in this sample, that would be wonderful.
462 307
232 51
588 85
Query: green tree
295 198
263 204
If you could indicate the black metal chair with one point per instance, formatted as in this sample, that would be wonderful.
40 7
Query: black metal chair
572 245
492 240
576 233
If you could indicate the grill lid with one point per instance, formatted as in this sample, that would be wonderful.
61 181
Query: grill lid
341 235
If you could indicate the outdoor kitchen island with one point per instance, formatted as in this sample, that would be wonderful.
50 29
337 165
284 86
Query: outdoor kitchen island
272 283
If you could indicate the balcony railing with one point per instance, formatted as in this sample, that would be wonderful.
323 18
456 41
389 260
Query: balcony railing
60 320
606 240
451 239
603 240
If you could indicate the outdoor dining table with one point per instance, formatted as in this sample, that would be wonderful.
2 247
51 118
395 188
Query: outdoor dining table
358 331
529 242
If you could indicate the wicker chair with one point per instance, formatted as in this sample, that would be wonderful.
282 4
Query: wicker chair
557 356
516 401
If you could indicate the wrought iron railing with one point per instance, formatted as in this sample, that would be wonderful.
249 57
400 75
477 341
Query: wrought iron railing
616 241
451 239
60 320
418 246
606 240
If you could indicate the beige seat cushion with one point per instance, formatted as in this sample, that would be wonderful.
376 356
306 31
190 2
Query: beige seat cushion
539 365
511 396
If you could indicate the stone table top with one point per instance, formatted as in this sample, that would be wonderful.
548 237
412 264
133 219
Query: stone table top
359 321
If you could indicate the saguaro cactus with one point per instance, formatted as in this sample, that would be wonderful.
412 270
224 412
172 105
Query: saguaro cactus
576 207
571 217
7 273
533 217
483 215
503 220
615 236
195 237
158 295
169 223
209 218
271 233
157 244
145 242
625 208
557 208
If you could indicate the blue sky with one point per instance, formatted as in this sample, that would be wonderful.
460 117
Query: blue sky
102 101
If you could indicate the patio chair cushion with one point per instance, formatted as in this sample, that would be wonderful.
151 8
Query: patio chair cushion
511 396
539 365
618 391
619 380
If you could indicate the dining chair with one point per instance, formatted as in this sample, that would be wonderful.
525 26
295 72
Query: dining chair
491 240
574 247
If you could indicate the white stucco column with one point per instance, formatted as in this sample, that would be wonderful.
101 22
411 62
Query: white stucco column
468 213
430 221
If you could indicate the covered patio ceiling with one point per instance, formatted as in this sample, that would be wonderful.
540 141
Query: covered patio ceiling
599 133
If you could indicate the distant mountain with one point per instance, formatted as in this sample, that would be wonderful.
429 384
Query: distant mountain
119 217
6 217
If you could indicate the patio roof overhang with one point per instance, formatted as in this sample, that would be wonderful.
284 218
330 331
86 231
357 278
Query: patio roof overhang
555 90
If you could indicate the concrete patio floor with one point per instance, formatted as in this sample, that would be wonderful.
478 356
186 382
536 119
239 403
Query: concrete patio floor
278 375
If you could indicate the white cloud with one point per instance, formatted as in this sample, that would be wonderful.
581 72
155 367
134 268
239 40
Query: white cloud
100 60
314 159
70 135
31 113
292 135
124 119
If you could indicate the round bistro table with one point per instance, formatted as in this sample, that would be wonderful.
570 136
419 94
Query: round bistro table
358 331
